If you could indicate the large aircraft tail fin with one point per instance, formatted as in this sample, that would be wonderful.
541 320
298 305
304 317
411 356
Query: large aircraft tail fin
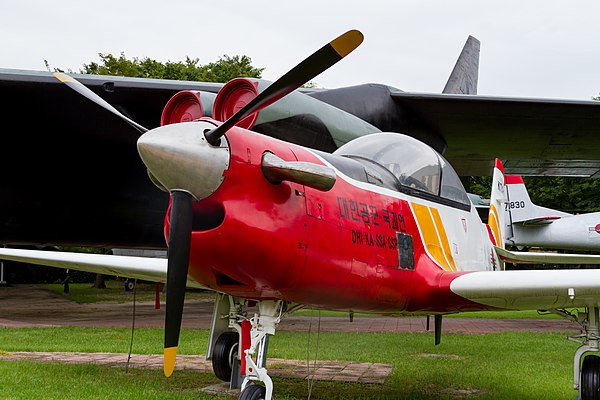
521 209
496 218
463 79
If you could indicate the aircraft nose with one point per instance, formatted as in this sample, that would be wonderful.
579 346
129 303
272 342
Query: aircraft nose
179 157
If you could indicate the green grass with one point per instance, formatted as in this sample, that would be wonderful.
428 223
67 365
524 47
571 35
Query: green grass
84 293
491 366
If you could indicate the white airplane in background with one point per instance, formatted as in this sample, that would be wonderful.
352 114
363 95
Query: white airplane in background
532 225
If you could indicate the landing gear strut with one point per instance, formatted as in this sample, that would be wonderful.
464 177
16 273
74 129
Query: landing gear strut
258 384
238 344
586 376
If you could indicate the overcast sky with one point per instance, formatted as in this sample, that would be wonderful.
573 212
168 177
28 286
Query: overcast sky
533 48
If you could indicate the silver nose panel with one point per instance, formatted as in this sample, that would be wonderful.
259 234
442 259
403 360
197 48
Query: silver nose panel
180 158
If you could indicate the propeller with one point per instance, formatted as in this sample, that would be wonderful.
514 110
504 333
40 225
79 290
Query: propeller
312 66
181 207
181 217
84 91
180 236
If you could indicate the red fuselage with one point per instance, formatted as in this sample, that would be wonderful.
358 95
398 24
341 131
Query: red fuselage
335 249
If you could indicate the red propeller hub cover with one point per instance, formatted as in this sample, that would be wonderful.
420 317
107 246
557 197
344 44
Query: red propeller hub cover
184 106
232 97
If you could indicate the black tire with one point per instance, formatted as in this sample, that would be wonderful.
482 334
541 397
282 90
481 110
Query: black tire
590 378
224 354
253 392
129 285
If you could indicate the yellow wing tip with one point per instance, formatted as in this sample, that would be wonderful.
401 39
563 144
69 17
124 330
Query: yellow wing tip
347 42
170 354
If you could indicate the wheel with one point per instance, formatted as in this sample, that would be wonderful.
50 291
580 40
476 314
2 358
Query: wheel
253 392
224 355
129 284
590 378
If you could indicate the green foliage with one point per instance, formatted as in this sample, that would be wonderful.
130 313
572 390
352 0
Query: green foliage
557 192
564 193
226 68
481 185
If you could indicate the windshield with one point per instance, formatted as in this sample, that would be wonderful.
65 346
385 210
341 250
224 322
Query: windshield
412 162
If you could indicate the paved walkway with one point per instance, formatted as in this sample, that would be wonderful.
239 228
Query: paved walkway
30 306
345 371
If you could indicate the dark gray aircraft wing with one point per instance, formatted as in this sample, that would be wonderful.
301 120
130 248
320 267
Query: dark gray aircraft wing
70 170
534 136
72 175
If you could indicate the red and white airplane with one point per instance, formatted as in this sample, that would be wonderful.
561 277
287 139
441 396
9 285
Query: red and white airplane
381 225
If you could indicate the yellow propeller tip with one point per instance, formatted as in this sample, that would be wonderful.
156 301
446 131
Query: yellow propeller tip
170 354
347 42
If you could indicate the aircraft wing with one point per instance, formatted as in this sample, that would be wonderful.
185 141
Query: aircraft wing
144 268
107 185
532 257
538 221
75 175
530 289
533 136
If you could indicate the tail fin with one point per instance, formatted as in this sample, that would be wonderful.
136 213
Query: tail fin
463 79
521 209
496 219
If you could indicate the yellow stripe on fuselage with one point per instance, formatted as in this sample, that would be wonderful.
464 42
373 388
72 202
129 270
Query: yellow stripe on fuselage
434 235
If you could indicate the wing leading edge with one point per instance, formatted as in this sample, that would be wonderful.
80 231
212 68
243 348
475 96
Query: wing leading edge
530 289
144 268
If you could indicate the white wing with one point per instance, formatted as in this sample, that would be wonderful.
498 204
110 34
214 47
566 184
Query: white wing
532 289
144 268
534 257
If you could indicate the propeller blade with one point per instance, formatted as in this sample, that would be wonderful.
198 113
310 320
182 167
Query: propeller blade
312 66
180 235
85 91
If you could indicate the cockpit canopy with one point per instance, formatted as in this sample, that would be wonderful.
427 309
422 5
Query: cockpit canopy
395 159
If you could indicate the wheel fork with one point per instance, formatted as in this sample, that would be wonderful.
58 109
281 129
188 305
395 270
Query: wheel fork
588 339
263 325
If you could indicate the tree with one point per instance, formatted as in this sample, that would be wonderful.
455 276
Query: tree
568 194
223 70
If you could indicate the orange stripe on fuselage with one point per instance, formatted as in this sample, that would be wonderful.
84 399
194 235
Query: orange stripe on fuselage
493 224
443 237
434 236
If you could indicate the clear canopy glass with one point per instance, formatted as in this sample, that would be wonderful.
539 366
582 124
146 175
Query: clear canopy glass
412 162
